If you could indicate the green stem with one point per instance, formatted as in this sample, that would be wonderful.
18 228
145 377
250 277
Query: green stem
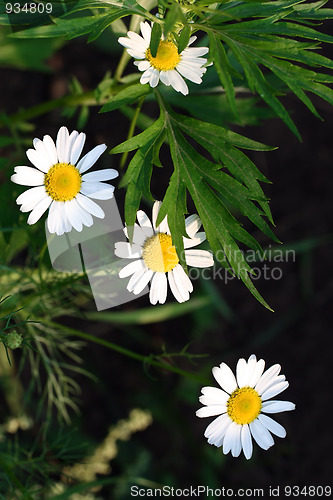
125 57
131 130
124 351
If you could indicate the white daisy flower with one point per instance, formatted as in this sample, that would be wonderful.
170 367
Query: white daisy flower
155 257
167 66
241 405
61 184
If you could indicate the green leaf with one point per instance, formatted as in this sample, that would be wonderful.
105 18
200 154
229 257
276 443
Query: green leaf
126 96
156 34
139 171
173 16
222 66
184 38
258 82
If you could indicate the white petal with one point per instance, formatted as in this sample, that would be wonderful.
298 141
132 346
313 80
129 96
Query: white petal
51 149
273 391
63 226
77 147
135 278
261 435
213 396
57 220
145 223
27 176
182 281
199 258
143 282
163 227
39 210
271 372
31 197
90 158
145 77
62 145
136 54
225 377
277 406
195 240
71 140
143 65
90 206
138 40
272 426
39 157
211 411
100 175
127 42
174 288
272 382
242 373
189 73
246 441
131 268
236 447
155 211
195 51
164 77
53 217
192 224
125 250
217 428
74 215
257 372
177 82
154 78
230 437
146 32
158 288
139 236
98 190
86 217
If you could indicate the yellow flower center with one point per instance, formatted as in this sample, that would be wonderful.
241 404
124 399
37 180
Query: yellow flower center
159 254
63 182
244 405
167 56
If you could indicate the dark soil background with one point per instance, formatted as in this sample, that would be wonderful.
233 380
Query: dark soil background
298 335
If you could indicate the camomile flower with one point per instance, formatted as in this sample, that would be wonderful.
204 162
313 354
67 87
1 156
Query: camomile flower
167 66
156 260
242 404
60 183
